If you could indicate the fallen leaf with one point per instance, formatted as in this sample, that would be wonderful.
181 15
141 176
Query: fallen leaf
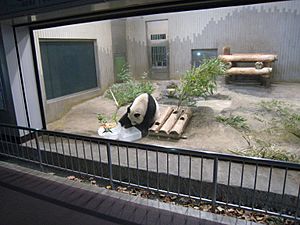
220 209
71 177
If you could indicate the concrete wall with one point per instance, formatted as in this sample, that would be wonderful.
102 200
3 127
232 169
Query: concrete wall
101 33
269 28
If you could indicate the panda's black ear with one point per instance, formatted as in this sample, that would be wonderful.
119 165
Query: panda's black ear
128 108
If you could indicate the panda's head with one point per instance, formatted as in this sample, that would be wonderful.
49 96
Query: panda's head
137 111
136 115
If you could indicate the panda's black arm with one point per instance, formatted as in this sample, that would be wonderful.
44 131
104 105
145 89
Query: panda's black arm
125 122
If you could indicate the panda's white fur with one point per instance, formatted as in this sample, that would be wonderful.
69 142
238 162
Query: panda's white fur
139 108
141 114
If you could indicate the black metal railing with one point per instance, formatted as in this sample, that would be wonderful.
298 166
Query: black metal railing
260 185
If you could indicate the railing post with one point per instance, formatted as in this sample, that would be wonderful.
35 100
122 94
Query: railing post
38 148
109 165
215 183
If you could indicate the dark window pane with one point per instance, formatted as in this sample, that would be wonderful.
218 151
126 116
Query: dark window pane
159 56
199 54
158 36
68 67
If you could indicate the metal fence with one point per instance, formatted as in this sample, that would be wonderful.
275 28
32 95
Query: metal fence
255 184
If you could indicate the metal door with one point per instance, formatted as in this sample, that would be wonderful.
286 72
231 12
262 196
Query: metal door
158 49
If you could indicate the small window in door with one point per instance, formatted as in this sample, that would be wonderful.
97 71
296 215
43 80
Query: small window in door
199 54
159 56
158 36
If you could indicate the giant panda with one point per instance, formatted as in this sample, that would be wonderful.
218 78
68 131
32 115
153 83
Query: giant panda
141 114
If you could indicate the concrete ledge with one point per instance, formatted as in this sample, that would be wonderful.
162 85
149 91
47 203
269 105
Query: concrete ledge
84 197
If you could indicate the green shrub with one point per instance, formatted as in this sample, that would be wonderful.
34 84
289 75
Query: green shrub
200 81
126 92
125 75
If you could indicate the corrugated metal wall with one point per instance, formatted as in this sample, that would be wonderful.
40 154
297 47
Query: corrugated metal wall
266 28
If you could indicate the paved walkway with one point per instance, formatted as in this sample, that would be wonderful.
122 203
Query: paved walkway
33 198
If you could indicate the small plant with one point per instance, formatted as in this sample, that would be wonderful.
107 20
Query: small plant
237 122
107 123
126 92
102 118
284 116
200 81
125 75
267 150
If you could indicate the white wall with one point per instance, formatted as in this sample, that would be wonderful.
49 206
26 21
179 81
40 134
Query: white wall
101 33
264 28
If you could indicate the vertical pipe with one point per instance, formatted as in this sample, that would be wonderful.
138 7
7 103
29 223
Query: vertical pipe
157 173
128 169
283 189
201 178
84 157
44 147
228 181
254 187
119 163
190 174
38 148
92 156
50 148
241 185
70 154
168 175
215 184
109 164
297 204
137 166
147 168
178 185
100 160
269 188
63 151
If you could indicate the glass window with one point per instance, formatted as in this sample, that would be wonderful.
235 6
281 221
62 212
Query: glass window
158 36
159 56
199 54
68 66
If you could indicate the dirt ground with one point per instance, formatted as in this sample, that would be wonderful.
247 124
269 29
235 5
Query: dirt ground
203 131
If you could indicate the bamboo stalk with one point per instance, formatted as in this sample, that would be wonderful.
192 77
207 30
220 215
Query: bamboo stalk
116 102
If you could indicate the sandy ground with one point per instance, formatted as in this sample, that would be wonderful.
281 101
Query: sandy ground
203 131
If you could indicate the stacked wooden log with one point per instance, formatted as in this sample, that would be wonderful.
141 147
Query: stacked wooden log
262 65
171 123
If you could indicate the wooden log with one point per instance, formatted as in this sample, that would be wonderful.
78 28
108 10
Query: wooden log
161 120
226 50
181 124
165 129
248 58
248 71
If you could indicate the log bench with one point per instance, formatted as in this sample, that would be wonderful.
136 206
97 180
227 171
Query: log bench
171 123
262 65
